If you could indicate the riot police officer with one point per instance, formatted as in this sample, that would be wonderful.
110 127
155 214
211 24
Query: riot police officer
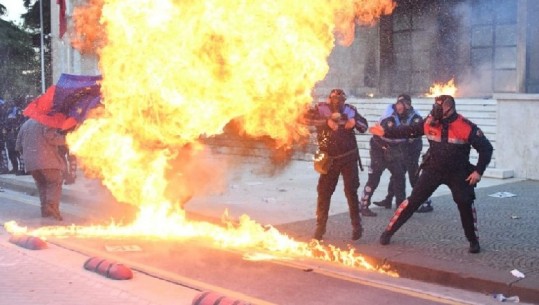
335 122
450 137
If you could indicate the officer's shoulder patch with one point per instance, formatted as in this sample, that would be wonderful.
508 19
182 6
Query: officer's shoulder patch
390 124
416 120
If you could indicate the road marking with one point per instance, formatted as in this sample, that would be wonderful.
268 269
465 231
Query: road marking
123 248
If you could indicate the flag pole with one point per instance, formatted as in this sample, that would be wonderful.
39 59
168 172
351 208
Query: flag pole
42 55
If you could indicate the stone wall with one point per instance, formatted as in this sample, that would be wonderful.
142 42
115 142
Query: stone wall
516 136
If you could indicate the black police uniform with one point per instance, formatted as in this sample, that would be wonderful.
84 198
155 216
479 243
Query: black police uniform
447 162
341 145
412 152
386 153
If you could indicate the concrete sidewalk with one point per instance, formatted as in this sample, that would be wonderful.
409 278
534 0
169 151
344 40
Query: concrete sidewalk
430 247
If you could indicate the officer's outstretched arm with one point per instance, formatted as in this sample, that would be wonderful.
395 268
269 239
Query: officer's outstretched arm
404 131
377 130
484 148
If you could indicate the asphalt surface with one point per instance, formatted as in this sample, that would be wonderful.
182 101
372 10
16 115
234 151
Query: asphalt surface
430 247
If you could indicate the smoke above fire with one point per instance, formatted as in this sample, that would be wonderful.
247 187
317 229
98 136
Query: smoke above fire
177 72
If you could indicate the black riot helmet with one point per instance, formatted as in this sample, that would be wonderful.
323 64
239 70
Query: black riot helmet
337 97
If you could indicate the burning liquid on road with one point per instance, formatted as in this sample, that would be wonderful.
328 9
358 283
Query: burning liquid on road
175 72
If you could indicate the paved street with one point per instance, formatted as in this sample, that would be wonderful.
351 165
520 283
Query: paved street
430 247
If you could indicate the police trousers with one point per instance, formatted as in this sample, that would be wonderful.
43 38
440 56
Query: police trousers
327 183
391 158
463 195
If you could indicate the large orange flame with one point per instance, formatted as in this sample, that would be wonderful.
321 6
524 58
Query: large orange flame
178 71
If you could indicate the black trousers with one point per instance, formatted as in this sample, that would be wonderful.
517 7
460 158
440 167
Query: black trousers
429 180
411 166
391 158
4 166
14 158
326 187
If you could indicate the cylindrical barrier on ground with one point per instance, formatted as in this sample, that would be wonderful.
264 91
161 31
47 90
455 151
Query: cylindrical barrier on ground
108 268
213 298
28 242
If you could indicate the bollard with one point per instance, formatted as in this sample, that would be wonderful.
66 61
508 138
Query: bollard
108 269
28 242
213 298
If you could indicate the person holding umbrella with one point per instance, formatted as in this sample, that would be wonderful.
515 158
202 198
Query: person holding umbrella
39 144
40 140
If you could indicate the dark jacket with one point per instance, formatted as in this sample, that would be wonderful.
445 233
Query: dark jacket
12 119
342 140
391 120
450 143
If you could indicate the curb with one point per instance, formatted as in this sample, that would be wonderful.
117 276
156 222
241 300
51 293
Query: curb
460 278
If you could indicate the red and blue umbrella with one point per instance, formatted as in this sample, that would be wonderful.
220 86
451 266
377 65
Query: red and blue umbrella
67 103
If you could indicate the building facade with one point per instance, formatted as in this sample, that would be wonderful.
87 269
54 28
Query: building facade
486 46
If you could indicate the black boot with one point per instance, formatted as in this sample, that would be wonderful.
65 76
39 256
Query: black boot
364 207
385 238
357 233
474 247
365 211
386 203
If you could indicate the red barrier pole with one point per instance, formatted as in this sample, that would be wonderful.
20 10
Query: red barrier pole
108 268
28 242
